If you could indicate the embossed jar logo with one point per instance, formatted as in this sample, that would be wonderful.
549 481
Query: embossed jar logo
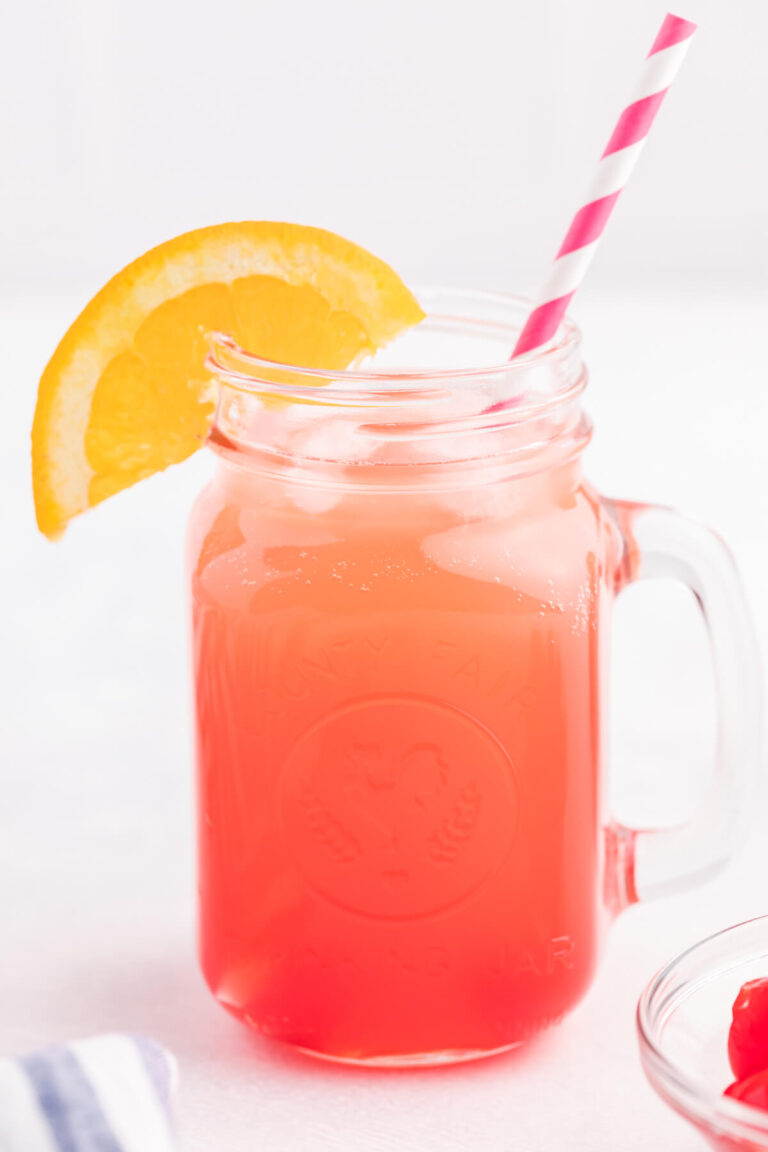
398 806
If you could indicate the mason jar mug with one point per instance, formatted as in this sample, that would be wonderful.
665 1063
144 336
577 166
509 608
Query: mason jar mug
402 588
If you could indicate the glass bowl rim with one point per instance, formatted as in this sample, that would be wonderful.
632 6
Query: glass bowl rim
686 1093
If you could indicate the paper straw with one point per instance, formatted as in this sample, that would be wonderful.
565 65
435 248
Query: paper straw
616 164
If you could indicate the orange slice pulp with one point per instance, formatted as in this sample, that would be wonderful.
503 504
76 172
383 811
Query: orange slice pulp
126 393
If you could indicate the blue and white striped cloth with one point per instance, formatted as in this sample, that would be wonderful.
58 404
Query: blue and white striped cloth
108 1094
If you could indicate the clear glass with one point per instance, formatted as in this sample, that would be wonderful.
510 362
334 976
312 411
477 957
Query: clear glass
683 1019
401 589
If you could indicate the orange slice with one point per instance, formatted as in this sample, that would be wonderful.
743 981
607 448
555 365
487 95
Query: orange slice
126 392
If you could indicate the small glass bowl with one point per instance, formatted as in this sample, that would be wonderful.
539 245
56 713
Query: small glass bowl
683 1019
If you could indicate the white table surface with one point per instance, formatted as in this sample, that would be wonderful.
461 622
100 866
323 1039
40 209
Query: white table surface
96 848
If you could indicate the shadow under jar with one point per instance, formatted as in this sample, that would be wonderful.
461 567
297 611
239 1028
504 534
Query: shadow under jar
401 588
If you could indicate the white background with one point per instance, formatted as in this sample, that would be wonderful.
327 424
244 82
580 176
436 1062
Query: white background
454 139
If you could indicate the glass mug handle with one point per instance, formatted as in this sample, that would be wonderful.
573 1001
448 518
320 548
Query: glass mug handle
660 543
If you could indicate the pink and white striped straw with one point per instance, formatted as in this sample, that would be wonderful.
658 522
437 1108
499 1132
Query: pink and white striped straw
616 164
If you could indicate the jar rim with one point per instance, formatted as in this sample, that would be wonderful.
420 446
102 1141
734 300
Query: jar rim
382 386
